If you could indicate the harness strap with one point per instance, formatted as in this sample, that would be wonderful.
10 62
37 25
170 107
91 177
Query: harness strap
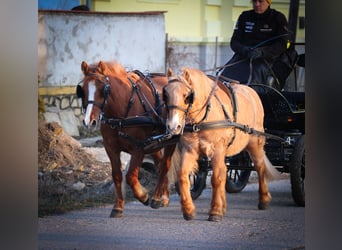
154 90
233 101
136 88
131 121
130 102
227 124
154 142
135 142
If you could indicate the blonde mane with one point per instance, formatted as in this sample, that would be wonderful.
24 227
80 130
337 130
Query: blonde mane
112 68
200 83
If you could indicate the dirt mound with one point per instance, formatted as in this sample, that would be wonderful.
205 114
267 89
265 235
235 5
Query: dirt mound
70 177
57 149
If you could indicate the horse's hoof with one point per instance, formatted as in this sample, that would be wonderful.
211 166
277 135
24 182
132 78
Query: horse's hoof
215 217
263 205
156 204
146 202
165 204
116 213
188 216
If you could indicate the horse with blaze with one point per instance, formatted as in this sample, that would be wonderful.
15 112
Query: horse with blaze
130 110
213 119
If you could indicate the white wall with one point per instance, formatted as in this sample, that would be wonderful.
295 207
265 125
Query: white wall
65 39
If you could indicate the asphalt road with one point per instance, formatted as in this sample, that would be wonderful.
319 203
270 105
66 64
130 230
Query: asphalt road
141 227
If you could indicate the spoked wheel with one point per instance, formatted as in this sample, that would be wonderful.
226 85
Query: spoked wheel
237 174
237 180
297 172
197 184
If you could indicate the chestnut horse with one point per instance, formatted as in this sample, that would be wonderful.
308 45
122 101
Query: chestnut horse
216 120
129 107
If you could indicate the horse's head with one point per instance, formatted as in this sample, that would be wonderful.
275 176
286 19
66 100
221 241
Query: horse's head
178 96
94 92
182 104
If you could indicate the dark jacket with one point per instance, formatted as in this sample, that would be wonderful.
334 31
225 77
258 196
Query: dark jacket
268 31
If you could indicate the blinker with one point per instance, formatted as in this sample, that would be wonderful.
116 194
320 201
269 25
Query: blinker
164 96
79 92
106 90
190 98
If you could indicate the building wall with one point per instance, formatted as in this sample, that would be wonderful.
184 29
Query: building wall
66 38
196 20
198 31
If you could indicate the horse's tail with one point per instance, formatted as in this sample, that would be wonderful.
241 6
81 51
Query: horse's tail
175 165
271 173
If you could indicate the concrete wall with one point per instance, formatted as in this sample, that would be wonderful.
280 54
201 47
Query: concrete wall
67 38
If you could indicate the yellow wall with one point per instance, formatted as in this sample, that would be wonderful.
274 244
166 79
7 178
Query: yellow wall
195 20
179 21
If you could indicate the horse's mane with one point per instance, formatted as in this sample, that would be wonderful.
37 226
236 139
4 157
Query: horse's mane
200 83
115 68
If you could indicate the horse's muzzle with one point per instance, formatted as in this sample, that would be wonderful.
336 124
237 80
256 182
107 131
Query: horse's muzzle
91 126
174 129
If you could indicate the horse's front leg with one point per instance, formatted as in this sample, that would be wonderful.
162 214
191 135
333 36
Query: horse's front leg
187 164
132 177
119 202
218 181
161 193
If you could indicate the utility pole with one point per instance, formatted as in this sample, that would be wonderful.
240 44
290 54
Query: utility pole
293 18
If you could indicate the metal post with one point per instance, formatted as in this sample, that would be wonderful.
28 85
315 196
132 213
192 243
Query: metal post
216 44
166 50
88 3
293 18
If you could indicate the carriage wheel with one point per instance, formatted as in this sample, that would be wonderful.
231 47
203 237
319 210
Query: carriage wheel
198 183
297 172
148 166
237 180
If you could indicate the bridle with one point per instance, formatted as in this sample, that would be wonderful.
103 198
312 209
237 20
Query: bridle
190 99
103 79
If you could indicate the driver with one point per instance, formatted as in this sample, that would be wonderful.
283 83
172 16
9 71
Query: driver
260 36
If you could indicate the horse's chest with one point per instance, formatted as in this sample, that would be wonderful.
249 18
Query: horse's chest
207 143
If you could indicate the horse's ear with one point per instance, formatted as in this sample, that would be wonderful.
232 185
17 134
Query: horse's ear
101 67
169 72
186 75
84 67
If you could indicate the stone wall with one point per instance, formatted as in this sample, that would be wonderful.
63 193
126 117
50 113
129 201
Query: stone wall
63 108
